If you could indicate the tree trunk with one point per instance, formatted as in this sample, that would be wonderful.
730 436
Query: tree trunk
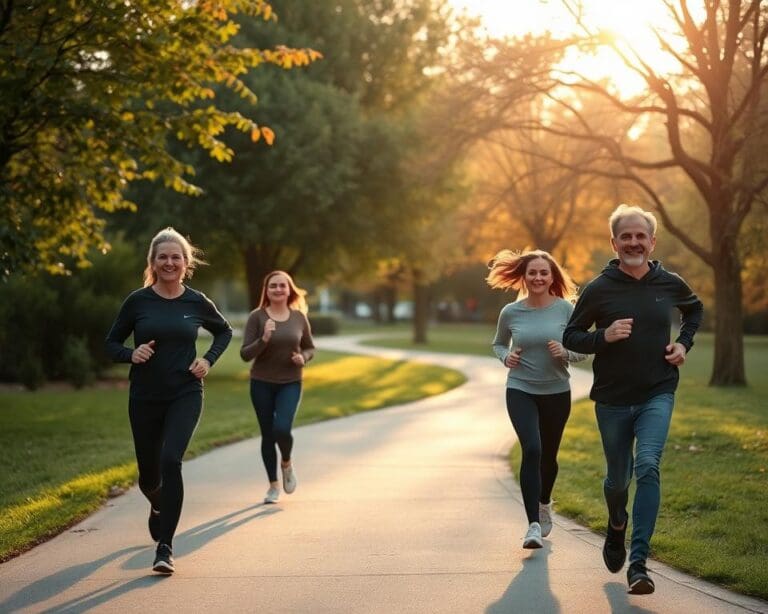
420 308
255 272
728 366
374 301
390 301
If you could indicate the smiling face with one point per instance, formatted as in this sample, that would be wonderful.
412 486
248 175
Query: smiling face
169 264
538 277
278 289
633 242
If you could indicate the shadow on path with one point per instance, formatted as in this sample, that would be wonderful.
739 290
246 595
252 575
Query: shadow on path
618 598
190 540
529 591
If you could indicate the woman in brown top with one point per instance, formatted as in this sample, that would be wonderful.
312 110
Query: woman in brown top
278 339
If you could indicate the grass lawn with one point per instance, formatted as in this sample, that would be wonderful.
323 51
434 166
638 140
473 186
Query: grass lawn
454 338
62 450
713 521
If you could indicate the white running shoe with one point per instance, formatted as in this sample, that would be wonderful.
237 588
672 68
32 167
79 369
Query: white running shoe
533 536
289 479
545 518
272 496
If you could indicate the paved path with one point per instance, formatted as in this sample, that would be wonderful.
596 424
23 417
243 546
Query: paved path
410 509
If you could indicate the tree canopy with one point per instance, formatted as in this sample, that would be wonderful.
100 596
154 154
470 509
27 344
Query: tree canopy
93 93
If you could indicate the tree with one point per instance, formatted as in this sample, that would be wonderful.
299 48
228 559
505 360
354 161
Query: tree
710 110
308 202
325 198
526 196
93 92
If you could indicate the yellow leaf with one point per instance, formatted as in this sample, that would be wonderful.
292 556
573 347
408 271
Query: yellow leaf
255 134
269 135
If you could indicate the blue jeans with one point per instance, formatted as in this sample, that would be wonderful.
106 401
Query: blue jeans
645 425
275 406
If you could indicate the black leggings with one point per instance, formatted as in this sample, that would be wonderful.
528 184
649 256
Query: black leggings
539 421
161 433
275 406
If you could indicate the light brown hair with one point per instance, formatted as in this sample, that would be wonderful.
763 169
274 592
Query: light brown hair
296 298
169 235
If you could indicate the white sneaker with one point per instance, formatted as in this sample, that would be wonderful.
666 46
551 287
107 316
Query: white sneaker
533 536
545 518
272 496
289 479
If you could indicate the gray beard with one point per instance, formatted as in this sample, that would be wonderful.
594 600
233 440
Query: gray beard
632 261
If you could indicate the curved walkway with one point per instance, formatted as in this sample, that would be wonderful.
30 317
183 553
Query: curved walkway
410 509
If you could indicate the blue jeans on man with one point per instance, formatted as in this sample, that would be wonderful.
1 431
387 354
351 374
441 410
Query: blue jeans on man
645 425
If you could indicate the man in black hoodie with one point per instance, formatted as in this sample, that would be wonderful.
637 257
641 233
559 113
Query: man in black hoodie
635 377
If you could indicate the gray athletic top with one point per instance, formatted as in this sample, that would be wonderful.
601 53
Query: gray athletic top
530 328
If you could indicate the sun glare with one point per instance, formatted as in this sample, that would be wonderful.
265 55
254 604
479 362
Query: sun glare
630 24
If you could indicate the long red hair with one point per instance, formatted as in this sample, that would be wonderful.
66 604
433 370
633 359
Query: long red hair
507 272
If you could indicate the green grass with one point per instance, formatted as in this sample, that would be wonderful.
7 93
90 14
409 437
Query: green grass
453 338
62 451
713 521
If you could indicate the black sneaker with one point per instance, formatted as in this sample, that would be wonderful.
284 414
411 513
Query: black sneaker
163 560
154 523
614 552
639 581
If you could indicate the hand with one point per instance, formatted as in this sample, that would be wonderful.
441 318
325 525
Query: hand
143 353
620 329
200 367
557 350
513 358
298 359
269 328
675 354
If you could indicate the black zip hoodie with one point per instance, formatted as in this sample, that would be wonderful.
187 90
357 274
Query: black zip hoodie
632 370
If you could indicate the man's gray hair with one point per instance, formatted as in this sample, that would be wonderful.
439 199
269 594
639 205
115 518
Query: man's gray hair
625 211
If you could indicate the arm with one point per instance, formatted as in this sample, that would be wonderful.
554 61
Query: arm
307 344
576 357
122 327
253 344
576 336
221 330
503 337
691 313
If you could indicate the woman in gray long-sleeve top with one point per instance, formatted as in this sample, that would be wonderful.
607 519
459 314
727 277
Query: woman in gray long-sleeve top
166 392
538 391
277 338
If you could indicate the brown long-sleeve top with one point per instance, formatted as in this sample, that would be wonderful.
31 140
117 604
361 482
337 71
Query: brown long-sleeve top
272 360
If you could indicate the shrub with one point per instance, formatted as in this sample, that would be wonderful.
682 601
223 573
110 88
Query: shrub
29 371
324 324
77 364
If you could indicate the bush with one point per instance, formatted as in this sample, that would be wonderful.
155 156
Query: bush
324 324
54 326
29 371
77 365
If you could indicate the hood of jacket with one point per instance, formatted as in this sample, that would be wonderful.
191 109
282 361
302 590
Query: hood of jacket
612 271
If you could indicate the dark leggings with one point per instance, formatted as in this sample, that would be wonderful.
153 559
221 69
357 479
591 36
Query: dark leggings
275 406
161 433
539 421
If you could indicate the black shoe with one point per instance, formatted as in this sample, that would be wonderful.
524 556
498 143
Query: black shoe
639 581
154 524
614 552
163 560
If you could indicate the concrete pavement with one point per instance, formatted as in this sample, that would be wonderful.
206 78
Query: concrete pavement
409 509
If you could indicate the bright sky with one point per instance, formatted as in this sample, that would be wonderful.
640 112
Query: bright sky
629 20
